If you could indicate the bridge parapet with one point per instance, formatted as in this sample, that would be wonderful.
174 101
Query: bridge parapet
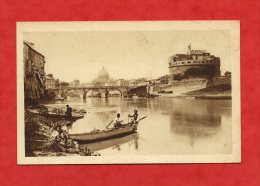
124 90
94 87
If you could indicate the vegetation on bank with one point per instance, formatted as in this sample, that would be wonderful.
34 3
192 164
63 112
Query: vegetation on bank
44 136
38 136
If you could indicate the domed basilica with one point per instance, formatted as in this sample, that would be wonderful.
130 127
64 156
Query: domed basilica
103 75
102 78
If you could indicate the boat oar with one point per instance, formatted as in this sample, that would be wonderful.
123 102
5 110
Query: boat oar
109 124
142 118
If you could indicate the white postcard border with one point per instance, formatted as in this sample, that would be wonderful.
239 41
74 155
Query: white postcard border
232 26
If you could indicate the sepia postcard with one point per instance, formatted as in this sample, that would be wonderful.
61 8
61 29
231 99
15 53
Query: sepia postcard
128 92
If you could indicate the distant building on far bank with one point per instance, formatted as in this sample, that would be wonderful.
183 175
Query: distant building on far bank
49 82
139 82
194 64
121 82
228 74
34 75
75 83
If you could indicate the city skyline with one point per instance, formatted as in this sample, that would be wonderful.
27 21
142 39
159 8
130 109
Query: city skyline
124 54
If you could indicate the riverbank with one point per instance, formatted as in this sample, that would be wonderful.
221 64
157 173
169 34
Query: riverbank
214 92
38 136
42 139
218 88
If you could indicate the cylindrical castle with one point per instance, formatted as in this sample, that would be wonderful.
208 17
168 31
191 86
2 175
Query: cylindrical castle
194 64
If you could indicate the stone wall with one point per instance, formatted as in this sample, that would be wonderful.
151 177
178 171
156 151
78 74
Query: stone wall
193 71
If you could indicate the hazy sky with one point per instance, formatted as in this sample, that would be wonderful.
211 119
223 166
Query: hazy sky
124 54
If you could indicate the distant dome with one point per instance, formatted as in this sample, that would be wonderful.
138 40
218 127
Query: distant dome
103 75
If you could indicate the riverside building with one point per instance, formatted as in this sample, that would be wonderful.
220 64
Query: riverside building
34 75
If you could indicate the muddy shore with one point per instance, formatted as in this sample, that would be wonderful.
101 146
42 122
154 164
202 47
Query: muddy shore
39 140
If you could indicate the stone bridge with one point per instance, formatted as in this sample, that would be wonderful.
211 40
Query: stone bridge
125 91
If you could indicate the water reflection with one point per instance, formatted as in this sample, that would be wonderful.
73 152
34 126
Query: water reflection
195 119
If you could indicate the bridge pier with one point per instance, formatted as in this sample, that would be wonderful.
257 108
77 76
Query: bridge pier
105 93
84 94
124 94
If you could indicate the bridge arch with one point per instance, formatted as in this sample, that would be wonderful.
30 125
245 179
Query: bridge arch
120 91
140 91
123 90
85 92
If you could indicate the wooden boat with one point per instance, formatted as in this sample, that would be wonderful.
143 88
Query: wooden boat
98 135
75 116
96 146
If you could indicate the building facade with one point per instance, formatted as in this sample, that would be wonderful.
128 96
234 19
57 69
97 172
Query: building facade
75 83
139 82
49 82
122 82
196 63
34 74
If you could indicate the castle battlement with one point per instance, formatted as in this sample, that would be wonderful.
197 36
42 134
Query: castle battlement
196 63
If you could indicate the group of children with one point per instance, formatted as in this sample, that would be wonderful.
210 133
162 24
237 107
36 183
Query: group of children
61 136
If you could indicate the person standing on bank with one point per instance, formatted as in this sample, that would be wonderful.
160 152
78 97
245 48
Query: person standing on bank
134 117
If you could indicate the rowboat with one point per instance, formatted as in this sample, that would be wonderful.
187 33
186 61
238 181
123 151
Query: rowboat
96 146
98 135
74 116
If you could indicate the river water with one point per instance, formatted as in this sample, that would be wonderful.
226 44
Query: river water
173 125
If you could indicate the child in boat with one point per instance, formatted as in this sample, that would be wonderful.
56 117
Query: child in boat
118 122
134 117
